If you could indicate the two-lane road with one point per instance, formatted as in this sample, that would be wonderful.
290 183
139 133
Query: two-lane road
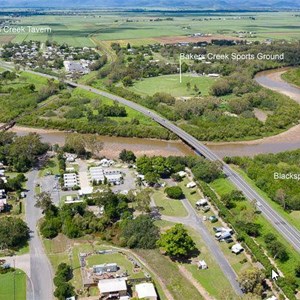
41 274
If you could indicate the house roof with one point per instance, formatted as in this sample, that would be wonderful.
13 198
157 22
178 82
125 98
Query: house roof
112 285
145 290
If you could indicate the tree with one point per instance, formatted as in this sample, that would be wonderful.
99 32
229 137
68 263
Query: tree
152 178
127 156
251 281
75 144
206 170
140 232
24 151
127 81
297 270
64 290
280 197
143 200
14 232
43 201
176 242
50 227
174 192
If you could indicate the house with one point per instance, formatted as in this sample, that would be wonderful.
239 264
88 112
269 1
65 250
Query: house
105 268
237 248
146 291
113 288
202 265
191 185
70 180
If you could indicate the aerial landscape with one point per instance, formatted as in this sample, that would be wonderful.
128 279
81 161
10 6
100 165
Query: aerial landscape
149 150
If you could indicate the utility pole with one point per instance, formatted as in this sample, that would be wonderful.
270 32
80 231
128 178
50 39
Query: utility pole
14 278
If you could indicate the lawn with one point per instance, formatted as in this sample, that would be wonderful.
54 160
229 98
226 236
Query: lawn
118 258
7 286
169 207
171 84
51 167
222 186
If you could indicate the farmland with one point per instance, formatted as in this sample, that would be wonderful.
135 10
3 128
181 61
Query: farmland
142 28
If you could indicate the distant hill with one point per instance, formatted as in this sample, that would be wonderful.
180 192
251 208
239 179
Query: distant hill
200 4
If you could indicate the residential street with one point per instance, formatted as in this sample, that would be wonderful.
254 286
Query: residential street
41 274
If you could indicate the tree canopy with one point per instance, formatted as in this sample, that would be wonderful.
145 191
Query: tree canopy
176 242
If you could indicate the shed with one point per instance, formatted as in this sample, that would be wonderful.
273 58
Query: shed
146 291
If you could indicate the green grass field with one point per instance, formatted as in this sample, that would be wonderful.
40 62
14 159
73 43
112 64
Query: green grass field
292 76
171 84
7 290
169 207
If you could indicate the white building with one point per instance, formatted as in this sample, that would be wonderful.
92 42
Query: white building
113 288
146 291
99 175
70 180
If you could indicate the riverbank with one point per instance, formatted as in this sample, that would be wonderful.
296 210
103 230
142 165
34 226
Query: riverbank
112 146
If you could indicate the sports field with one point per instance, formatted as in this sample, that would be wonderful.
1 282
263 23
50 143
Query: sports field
171 84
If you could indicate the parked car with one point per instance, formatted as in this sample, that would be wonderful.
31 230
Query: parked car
213 219
205 208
